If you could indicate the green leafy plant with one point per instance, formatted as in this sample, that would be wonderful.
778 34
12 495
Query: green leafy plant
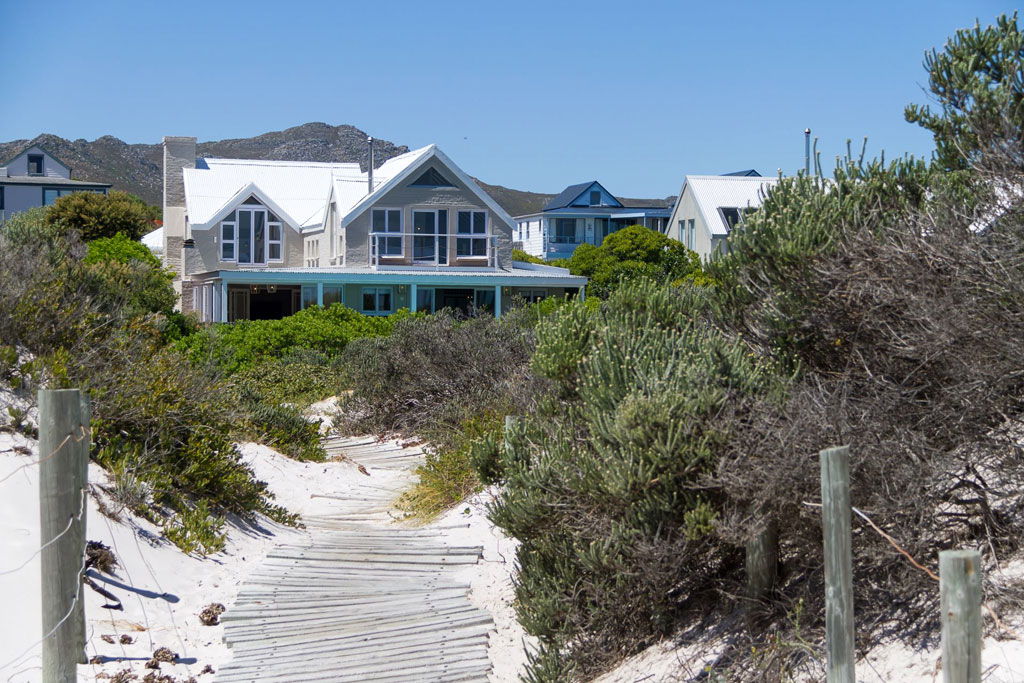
93 215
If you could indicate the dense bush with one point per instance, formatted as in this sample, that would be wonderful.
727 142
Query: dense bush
121 249
446 380
93 215
242 345
162 426
633 253
520 255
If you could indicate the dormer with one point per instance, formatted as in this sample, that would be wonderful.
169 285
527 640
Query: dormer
583 195
36 162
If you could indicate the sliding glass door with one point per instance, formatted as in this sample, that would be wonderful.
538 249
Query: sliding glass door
430 236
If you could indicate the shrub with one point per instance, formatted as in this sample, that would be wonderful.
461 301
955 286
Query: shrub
325 330
606 484
93 215
520 255
633 253
121 249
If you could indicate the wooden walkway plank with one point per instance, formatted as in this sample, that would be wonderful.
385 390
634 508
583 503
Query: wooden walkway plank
362 599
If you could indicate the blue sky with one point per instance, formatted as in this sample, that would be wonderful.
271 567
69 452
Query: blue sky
530 95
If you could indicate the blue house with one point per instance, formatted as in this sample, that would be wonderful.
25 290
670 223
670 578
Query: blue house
585 213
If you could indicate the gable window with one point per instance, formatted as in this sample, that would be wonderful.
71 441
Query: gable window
386 221
472 223
431 178
565 230
251 235
35 164
376 299
595 198
227 239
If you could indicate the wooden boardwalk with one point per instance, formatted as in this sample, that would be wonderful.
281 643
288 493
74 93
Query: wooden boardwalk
362 599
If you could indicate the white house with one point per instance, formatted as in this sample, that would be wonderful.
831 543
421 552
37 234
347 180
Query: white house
585 213
255 239
34 177
710 206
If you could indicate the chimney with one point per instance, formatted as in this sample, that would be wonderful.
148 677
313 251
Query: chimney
179 153
807 152
369 168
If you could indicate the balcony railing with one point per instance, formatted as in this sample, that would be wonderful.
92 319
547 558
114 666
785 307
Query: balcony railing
433 249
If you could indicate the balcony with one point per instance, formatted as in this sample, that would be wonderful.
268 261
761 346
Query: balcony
431 249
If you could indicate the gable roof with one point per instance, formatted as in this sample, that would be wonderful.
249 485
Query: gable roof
714 192
28 147
397 169
570 194
296 190
749 172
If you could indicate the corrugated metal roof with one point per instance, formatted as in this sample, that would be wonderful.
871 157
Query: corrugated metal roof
712 192
350 190
300 189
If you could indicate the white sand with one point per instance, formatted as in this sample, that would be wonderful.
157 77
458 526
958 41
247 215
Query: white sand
491 584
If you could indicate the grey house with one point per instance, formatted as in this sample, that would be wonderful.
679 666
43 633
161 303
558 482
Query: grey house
34 177
257 239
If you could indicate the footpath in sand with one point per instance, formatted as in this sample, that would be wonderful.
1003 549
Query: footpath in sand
359 598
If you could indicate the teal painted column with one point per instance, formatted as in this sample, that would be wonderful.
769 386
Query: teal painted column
223 301
319 294
497 301
412 297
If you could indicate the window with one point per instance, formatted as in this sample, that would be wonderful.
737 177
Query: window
385 221
1 197
50 194
565 230
431 178
484 299
35 164
376 299
472 223
600 229
274 240
527 229
429 242
227 239
595 198
333 294
308 296
533 295
425 300
693 235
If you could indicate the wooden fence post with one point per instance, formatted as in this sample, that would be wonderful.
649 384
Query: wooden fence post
835 520
960 600
64 457
762 559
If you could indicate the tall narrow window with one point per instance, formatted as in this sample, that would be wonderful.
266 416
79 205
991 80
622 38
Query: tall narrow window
227 240
386 221
274 241
35 164
693 234
245 237
425 245
472 234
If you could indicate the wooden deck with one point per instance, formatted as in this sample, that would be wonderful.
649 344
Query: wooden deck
362 599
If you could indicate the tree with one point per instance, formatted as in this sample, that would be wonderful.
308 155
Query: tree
95 215
978 85
633 253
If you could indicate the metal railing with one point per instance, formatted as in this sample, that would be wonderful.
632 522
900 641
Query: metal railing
431 249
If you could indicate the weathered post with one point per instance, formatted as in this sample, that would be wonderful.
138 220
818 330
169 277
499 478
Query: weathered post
835 520
64 455
960 600
762 559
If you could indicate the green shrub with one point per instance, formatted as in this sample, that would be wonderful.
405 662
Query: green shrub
630 254
607 485
520 255
93 215
241 345
121 249
196 530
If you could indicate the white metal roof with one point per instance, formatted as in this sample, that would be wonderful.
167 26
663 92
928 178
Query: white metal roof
299 189
155 241
712 192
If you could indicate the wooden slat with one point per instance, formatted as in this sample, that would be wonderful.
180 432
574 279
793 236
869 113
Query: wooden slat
362 598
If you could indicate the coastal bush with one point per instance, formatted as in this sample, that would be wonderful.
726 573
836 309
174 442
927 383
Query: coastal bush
93 215
633 253
243 344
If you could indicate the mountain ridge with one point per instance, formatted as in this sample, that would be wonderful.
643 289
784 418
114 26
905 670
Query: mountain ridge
137 167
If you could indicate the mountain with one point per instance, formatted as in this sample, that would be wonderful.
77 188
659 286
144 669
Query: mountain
136 168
